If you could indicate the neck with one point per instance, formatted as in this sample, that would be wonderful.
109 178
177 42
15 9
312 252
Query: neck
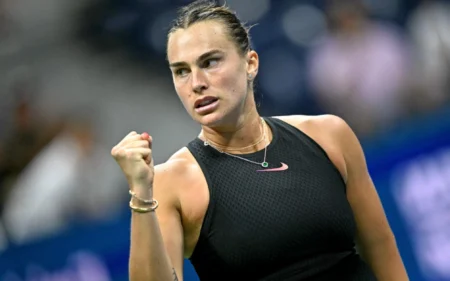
240 134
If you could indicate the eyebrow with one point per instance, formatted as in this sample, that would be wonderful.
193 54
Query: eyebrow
202 57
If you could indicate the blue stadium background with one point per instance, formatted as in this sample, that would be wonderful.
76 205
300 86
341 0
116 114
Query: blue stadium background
409 163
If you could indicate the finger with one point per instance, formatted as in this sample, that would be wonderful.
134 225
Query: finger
146 136
138 143
130 138
132 133
138 153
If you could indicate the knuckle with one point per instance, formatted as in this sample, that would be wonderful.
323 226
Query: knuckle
115 151
120 153
129 154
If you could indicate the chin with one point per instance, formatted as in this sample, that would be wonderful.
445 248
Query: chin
209 120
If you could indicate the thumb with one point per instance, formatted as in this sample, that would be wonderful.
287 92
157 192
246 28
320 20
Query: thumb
147 137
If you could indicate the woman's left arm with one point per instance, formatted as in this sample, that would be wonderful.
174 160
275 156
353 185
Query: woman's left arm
374 237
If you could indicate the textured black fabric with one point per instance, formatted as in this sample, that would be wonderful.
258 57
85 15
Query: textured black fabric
288 225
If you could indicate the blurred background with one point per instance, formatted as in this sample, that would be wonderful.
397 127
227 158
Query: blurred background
76 76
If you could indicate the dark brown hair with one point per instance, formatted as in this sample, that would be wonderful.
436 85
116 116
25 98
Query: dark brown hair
203 10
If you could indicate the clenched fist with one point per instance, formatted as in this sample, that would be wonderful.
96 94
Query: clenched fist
134 156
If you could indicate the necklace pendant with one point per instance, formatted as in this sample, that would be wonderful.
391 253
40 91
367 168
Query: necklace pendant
265 164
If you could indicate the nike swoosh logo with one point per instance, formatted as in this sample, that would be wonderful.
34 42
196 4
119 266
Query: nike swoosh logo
282 168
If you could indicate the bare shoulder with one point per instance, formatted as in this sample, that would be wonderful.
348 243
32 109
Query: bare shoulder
175 175
178 165
326 124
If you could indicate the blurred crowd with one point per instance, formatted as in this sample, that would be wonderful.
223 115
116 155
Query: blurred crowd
50 170
373 73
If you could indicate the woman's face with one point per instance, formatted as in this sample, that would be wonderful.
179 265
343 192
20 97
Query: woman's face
209 73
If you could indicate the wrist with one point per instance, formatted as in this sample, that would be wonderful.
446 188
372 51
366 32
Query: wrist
141 191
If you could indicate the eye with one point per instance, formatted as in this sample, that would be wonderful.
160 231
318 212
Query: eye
181 72
211 62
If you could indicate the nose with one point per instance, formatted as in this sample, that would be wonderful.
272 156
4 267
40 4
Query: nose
199 81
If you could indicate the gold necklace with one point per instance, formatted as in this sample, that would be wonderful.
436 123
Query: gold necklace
218 146
264 164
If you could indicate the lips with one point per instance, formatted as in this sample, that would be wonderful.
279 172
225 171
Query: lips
204 101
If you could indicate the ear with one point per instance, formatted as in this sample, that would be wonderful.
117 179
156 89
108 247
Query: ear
252 63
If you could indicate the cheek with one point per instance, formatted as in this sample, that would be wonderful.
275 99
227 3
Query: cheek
235 83
183 95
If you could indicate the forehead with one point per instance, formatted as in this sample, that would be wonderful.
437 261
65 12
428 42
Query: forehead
199 38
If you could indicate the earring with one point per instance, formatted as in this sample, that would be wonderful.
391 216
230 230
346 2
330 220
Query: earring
250 76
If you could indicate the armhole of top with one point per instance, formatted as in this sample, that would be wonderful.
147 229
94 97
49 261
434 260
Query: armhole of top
210 209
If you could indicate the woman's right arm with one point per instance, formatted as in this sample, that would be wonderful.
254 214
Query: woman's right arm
156 252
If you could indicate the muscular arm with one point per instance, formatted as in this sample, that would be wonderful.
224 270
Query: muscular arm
375 238
157 237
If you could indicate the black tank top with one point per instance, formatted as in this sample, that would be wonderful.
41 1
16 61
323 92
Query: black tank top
292 224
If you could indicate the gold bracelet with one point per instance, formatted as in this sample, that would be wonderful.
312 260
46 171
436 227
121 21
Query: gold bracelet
145 201
145 210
